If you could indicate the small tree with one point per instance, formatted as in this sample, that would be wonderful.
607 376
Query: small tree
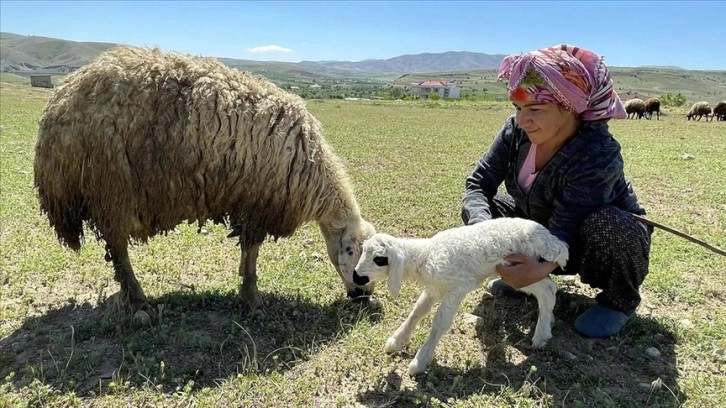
434 96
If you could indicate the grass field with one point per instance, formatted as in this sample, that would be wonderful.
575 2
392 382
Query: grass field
64 342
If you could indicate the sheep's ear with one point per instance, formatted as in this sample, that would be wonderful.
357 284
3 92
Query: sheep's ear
395 271
348 256
350 247
333 243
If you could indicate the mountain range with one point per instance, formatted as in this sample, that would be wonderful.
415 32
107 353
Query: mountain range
19 53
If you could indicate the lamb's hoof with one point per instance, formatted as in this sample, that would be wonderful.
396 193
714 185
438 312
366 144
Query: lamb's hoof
393 345
539 342
416 367
359 295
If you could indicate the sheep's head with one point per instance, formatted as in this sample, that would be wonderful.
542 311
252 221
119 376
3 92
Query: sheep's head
344 250
350 247
381 259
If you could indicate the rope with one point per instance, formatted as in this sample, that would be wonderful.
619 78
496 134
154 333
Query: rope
680 234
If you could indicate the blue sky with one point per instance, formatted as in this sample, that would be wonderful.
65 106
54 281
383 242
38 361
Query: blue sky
688 34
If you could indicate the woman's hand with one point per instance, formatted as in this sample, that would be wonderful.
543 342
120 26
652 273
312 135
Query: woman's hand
524 270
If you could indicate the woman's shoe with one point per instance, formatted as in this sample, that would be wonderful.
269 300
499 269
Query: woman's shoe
497 287
601 322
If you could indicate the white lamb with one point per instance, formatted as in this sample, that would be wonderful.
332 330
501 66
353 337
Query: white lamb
451 264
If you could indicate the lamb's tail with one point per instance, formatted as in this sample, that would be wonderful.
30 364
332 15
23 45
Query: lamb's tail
556 250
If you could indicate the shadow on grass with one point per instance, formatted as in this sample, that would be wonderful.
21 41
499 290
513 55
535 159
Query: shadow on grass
189 340
569 371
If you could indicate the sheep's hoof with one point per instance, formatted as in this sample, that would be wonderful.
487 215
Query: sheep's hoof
142 317
251 306
250 299
359 295
137 301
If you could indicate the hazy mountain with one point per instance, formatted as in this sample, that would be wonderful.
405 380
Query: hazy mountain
659 67
426 62
21 53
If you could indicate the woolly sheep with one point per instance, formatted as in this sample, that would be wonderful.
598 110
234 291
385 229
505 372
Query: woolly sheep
652 105
634 107
719 111
699 109
451 264
139 141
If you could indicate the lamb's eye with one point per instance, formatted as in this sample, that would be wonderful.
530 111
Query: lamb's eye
380 260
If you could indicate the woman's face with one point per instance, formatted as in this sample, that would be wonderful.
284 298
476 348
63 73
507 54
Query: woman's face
545 123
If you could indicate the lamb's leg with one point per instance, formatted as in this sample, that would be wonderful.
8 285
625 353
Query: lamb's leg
545 291
131 291
443 319
402 335
250 295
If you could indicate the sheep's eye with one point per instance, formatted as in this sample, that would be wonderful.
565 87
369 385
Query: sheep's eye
380 260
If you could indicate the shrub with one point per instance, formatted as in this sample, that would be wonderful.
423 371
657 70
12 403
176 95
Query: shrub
670 99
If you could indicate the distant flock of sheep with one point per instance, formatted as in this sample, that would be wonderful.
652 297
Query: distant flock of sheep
700 109
638 109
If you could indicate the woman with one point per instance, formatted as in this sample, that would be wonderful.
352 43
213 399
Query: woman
562 168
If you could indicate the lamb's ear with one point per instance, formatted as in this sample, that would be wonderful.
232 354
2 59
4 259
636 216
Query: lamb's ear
562 260
563 255
395 270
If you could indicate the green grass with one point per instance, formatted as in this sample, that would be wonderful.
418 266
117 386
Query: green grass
65 343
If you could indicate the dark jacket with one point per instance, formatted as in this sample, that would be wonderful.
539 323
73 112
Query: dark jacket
586 174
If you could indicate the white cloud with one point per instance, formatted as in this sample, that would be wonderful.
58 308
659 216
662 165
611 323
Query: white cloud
268 49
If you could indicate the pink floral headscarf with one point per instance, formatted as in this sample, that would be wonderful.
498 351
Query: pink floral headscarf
573 77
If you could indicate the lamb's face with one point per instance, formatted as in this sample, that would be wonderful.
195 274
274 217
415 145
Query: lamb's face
373 265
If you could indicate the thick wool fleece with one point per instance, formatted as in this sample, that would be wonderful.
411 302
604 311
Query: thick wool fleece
139 140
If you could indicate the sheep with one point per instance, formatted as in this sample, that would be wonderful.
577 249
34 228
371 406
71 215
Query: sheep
635 107
719 111
139 141
699 109
451 264
652 105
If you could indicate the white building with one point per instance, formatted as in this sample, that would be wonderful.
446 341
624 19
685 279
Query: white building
444 89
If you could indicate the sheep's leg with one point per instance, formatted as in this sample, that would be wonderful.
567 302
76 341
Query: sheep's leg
402 335
250 295
443 319
131 291
545 291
